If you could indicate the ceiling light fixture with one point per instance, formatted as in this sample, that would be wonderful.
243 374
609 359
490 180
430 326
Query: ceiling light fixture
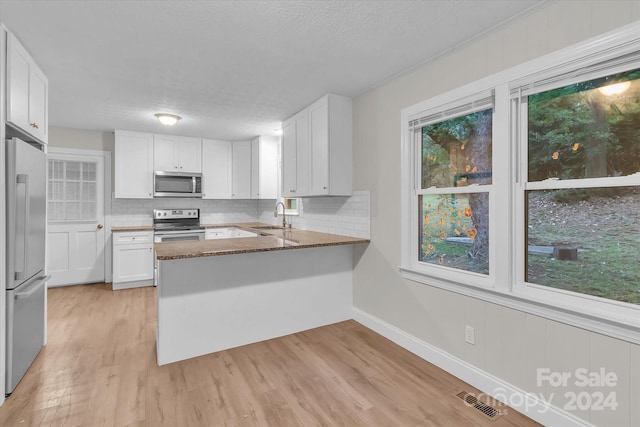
614 89
168 119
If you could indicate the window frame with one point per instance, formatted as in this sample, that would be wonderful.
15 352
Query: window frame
473 103
505 284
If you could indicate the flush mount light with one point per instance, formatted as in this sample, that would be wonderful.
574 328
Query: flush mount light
614 89
168 119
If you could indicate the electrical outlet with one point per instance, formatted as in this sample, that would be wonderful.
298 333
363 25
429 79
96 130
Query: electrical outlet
469 335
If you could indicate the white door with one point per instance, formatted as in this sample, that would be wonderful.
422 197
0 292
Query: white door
75 219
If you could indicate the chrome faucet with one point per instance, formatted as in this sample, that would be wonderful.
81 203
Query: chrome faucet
284 218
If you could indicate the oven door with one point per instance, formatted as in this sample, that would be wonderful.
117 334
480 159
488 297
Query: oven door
177 236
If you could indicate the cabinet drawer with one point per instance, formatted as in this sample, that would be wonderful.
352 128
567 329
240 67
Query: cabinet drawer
130 238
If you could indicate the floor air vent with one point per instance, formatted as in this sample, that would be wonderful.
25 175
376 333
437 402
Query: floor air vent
471 401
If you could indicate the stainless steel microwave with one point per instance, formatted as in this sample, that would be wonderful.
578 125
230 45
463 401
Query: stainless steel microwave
177 184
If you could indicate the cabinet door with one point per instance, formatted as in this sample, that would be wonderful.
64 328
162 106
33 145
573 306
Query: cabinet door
18 63
132 263
27 92
133 165
295 155
255 168
38 93
241 170
216 169
189 154
319 148
163 153
303 155
268 168
289 158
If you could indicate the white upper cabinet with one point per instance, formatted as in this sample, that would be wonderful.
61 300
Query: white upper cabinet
295 155
317 149
216 169
177 153
27 92
133 165
241 170
264 168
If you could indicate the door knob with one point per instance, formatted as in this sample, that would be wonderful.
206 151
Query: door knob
100 226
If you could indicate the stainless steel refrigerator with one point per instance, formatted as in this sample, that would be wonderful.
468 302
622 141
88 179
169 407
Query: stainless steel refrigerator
26 232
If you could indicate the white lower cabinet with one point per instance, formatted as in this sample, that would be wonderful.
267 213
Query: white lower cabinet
132 259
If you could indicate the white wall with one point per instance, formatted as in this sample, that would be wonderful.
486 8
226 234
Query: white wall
509 344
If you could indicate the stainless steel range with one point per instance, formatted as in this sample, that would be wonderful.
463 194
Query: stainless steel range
172 225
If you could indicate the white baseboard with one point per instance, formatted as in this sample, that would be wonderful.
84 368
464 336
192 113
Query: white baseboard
526 403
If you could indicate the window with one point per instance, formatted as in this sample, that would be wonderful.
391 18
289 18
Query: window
523 188
292 205
454 225
581 198
72 192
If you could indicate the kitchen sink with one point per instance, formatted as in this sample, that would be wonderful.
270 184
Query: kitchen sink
268 227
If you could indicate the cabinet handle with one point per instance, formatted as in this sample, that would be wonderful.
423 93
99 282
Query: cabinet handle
35 125
324 188
100 226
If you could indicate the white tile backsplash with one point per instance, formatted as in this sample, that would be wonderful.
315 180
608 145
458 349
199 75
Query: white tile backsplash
348 216
132 212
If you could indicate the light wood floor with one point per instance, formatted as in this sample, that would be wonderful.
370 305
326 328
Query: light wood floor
99 369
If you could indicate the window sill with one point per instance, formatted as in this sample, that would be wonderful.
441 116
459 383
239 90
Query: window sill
610 327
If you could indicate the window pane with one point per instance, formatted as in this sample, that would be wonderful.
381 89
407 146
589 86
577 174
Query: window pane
56 190
457 152
73 191
55 211
56 169
73 170
454 231
88 171
586 130
586 241
89 191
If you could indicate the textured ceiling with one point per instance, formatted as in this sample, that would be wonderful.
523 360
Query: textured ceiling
231 69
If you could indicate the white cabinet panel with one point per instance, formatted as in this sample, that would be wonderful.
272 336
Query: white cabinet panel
289 164
295 161
177 153
133 165
27 92
216 169
163 155
189 152
132 259
241 170
317 149
264 168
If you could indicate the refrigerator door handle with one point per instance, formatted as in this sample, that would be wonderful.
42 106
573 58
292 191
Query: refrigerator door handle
32 289
20 274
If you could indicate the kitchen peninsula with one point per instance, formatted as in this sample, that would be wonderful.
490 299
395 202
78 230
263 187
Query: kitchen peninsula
223 293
